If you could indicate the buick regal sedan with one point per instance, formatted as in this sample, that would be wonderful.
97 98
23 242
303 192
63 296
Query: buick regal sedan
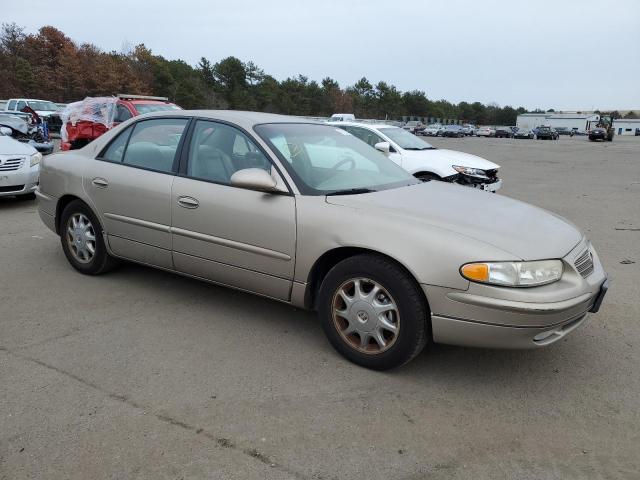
308 214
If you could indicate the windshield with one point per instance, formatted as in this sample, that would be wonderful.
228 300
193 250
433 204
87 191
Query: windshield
43 105
143 108
326 160
404 139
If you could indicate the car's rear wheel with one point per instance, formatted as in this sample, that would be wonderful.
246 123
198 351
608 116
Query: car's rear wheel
373 312
82 240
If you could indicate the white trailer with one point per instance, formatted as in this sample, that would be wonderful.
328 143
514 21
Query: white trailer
578 122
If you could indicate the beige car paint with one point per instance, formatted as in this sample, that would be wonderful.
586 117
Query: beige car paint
268 243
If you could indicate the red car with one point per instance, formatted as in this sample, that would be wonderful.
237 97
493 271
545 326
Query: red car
86 120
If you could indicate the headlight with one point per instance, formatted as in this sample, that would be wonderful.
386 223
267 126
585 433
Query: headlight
35 158
472 172
514 274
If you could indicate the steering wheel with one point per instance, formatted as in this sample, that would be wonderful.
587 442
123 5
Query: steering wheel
343 162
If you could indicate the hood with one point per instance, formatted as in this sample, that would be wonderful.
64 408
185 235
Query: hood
416 160
9 146
47 113
517 228
14 123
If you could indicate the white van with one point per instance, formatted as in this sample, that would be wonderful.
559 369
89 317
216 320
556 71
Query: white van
342 117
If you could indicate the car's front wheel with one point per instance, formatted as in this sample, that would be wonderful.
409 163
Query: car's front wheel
373 312
82 240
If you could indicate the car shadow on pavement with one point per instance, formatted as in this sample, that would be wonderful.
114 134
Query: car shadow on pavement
14 203
436 362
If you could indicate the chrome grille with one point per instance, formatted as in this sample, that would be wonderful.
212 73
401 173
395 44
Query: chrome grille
9 163
584 264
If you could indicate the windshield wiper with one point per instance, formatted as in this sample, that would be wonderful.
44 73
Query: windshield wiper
350 191
419 148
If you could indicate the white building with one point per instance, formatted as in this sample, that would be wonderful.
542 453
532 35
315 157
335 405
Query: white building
581 122
626 126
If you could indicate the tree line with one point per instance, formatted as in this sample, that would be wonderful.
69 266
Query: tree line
50 65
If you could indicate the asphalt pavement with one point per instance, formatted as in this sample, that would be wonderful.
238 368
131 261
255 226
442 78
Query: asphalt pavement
141 374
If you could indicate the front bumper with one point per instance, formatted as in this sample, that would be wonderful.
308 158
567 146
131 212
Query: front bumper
490 184
488 187
19 182
498 317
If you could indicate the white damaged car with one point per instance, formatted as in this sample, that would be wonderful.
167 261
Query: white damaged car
425 161
19 166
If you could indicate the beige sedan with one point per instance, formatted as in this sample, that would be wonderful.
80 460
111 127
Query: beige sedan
307 214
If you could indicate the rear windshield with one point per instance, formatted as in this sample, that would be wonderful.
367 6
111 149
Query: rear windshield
43 105
143 108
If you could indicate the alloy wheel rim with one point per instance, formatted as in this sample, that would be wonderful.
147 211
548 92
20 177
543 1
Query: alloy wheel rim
81 238
366 316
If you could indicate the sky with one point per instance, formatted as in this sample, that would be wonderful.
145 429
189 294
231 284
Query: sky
562 54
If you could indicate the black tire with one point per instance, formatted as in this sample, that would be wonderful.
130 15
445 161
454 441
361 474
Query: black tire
426 176
101 262
414 331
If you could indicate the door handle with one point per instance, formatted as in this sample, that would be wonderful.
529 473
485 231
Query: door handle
188 202
100 182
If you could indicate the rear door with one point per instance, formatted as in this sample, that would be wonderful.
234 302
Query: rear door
233 236
129 185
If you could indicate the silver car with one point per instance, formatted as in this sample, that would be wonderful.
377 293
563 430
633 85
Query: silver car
19 166
307 214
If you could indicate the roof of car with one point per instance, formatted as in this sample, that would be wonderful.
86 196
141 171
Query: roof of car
140 101
238 117
363 124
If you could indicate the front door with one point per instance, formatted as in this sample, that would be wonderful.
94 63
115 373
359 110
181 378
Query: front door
129 185
233 236
372 138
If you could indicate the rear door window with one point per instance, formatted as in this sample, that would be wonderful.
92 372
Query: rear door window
154 143
115 150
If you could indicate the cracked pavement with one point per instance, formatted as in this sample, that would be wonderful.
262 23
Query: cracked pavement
141 374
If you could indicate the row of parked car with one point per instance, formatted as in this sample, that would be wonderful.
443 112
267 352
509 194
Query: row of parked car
466 130
26 124
24 139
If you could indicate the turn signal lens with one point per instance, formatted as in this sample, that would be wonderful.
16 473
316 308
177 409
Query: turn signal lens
478 272
514 274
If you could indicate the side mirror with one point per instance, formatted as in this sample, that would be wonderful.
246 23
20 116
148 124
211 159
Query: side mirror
254 179
383 147
6 131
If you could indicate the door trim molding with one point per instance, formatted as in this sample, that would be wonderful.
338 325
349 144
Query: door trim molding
141 223
230 243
